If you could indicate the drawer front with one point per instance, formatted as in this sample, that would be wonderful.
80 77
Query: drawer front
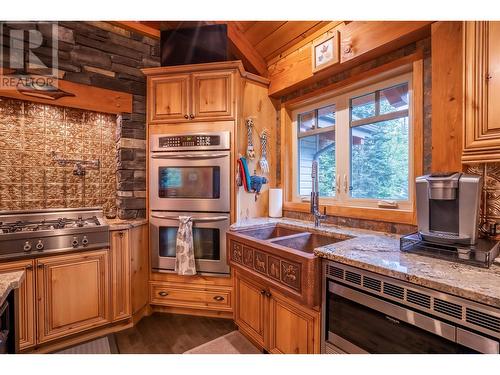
211 299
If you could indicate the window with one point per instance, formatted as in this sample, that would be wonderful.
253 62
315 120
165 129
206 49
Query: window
379 144
316 138
362 140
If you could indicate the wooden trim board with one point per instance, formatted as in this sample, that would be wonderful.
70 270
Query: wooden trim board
86 97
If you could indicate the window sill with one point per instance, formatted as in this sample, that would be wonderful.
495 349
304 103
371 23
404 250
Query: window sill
367 213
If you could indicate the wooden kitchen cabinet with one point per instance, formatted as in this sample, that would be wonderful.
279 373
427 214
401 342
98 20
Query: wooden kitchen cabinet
482 92
273 321
250 308
72 293
191 96
26 316
213 95
293 328
120 275
139 267
169 98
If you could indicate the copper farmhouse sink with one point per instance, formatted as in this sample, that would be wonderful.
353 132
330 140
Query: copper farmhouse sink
282 257
307 242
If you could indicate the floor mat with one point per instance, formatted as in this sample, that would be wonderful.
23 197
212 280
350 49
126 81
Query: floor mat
232 343
99 346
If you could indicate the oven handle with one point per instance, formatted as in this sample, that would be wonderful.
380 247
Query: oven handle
395 313
190 156
199 219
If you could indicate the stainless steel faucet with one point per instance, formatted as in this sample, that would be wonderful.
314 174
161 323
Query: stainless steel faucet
315 195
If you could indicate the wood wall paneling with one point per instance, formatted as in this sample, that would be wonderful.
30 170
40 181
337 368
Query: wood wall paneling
447 95
294 70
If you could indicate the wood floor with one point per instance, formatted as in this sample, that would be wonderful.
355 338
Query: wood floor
170 334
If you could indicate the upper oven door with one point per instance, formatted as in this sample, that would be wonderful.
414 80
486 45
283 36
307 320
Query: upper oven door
190 181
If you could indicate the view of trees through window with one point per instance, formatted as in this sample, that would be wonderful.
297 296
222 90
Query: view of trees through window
379 146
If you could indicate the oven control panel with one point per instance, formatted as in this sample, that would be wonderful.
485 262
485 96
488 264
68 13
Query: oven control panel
191 141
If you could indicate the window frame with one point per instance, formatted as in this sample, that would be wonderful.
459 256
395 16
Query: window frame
355 207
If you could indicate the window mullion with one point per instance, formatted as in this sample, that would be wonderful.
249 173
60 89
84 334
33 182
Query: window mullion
342 139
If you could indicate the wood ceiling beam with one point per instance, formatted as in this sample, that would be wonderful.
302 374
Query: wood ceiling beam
245 49
138 27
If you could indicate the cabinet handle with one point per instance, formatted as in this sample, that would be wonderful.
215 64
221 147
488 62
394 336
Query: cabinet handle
345 184
191 116
163 294
186 117
219 298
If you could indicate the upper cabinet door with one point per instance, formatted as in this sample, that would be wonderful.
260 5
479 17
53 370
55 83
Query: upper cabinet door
168 99
482 92
213 96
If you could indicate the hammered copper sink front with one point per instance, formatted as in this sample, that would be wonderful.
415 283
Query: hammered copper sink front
31 179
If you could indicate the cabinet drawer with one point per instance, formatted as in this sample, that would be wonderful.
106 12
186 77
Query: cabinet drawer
212 299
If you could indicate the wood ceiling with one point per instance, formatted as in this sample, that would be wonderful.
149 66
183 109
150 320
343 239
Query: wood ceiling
264 40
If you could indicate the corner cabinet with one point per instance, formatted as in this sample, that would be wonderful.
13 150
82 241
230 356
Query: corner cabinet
72 293
194 96
482 92
272 321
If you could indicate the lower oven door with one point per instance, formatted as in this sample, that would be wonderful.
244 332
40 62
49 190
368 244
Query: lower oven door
360 323
209 240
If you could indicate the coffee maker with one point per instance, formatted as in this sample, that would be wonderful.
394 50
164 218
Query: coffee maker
448 218
448 207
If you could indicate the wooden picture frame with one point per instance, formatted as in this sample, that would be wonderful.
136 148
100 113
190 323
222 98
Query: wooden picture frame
325 51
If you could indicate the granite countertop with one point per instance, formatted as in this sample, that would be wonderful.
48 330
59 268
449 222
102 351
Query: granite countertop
379 252
8 282
119 224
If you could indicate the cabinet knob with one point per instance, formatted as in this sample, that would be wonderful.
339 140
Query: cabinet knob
268 294
262 292
191 116
219 298
40 266
120 234
29 267
163 294
186 117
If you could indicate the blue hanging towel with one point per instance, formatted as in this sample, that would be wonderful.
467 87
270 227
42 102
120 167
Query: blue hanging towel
246 173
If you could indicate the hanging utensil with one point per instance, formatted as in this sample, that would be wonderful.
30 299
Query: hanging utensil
250 149
264 165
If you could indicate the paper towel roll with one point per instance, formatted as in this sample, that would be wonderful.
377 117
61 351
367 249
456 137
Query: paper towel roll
275 202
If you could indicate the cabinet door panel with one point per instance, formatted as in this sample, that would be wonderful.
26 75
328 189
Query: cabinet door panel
482 92
169 98
213 95
139 267
73 294
293 330
120 275
250 309
26 301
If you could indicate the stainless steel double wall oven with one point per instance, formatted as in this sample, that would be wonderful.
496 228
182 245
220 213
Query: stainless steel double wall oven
190 176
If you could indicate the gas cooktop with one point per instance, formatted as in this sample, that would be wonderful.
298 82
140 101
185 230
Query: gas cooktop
33 233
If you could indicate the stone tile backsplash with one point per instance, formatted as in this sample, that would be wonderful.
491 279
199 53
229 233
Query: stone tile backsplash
31 179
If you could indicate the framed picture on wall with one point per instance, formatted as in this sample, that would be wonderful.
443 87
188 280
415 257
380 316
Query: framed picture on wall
325 51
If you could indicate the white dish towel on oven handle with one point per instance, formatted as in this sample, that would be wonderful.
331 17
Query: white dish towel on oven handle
184 250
